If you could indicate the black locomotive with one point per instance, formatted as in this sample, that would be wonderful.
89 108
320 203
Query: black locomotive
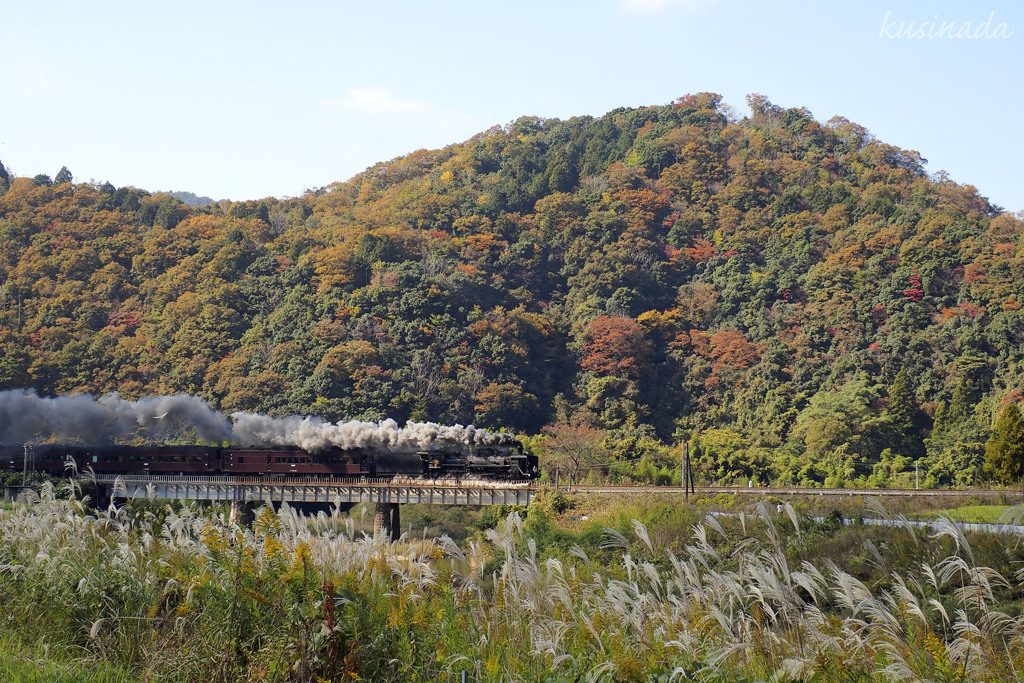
503 462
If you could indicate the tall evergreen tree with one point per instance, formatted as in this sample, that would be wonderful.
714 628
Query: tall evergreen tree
1004 452
63 176
904 420
956 422
956 445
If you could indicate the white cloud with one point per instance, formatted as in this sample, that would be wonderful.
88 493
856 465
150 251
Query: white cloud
654 6
379 123
378 101
383 104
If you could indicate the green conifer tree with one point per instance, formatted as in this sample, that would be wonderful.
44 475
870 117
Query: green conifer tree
904 421
1004 452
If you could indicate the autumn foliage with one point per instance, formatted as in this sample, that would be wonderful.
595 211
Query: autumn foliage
615 346
657 271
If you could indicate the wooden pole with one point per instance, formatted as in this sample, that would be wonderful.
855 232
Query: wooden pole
24 465
687 472
682 471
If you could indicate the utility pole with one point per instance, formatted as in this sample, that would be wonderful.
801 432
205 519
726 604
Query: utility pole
917 474
682 471
687 471
24 465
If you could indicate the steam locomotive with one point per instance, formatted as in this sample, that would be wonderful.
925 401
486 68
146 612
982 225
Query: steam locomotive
503 462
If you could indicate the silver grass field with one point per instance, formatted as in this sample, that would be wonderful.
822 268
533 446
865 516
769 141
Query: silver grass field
178 593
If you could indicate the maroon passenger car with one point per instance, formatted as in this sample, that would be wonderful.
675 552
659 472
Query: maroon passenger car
150 459
252 460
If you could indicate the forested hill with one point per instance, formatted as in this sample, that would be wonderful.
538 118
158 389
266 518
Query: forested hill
801 299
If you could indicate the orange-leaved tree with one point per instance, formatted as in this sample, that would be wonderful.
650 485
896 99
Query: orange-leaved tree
617 347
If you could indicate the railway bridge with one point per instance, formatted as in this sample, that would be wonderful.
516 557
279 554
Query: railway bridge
246 494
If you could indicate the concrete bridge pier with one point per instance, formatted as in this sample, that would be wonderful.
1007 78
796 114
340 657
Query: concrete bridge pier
17 494
243 512
387 521
101 495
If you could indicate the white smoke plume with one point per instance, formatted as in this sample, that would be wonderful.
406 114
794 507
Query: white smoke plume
26 417
314 434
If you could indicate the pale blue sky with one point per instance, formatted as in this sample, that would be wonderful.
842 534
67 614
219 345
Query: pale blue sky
249 99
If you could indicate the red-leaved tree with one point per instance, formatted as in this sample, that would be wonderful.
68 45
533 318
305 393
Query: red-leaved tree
616 347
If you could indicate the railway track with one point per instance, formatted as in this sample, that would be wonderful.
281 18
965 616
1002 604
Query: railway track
791 491
384 482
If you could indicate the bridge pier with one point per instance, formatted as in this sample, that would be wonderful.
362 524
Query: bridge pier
100 493
243 512
17 494
386 520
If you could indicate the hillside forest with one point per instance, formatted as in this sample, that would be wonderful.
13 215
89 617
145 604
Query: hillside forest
798 300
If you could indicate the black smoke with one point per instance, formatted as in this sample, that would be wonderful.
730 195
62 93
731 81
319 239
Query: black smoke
26 417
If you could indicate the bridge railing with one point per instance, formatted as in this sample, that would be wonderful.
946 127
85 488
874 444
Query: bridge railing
369 482
318 489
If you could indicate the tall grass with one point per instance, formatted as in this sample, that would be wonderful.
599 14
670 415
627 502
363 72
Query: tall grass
183 594
39 665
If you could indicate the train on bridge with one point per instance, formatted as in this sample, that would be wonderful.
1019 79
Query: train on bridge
507 462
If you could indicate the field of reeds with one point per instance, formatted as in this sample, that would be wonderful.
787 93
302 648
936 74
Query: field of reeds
178 593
